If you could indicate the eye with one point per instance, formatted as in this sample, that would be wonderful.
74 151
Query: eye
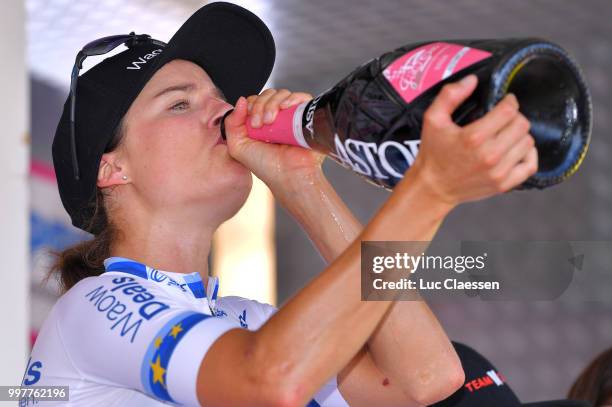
180 106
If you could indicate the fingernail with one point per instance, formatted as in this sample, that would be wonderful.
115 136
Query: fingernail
512 98
268 117
285 103
468 80
256 121
249 107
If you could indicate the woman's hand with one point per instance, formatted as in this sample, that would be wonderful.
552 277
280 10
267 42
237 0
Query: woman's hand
279 166
486 157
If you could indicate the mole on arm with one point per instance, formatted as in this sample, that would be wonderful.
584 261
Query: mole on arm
385 382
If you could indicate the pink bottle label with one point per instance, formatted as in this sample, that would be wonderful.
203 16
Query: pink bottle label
423 67
282 130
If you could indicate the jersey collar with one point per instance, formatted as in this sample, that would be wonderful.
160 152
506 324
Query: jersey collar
190 282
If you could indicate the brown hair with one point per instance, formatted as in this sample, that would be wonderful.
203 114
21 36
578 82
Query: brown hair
595 383
86 259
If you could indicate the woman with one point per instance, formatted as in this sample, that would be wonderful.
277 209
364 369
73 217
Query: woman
127 332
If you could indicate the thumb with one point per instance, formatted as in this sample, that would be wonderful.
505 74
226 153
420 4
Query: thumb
450 98
238 116
233 119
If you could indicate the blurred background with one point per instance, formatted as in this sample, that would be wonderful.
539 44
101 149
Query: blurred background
539 346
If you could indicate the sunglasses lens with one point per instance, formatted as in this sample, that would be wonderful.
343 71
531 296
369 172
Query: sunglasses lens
104 45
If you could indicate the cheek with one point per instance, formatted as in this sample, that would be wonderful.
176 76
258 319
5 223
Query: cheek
166 152
217 173
175 135
174 160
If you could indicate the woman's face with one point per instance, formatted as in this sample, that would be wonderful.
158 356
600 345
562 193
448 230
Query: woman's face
172 150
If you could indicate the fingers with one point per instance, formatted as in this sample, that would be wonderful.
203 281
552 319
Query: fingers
450 98
234 123
236 118
514 157
502 114
523 170
506 150
497 147
266 105
295 99
272 105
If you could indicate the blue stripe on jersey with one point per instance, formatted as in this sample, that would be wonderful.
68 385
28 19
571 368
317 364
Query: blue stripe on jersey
313 403
194 282
214 296
130 267
155 363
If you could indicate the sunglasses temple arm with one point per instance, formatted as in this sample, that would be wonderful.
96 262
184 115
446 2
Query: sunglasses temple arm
78 64
73 85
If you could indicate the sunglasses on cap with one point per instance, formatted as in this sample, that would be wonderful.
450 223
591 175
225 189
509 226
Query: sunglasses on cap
97 47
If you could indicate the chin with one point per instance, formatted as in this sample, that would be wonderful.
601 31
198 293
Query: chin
232 203
234 191
242 185
227 185
237 176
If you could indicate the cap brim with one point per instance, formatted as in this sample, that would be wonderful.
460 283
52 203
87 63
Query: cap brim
230 43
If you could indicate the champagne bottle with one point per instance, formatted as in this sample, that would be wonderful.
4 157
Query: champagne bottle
371 120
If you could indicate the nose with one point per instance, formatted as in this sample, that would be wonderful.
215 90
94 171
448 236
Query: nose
220 110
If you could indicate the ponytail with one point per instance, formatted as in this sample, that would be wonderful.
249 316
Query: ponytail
85 259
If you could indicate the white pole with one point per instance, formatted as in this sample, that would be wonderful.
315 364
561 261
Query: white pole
14 207
244 253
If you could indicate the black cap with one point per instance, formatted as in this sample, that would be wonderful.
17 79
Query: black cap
230 43
485 386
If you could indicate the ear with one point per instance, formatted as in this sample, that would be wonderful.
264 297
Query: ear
111 172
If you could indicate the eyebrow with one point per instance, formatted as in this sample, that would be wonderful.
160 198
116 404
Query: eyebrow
187 87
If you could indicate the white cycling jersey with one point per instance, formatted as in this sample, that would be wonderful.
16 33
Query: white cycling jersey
135 336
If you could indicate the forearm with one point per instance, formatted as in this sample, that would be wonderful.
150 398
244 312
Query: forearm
326 321
413 351
321 213
424 364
